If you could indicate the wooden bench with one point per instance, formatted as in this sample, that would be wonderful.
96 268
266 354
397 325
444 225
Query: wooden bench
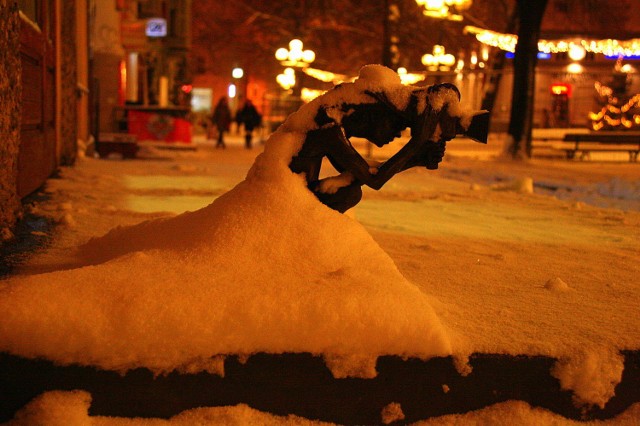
584 143
121 143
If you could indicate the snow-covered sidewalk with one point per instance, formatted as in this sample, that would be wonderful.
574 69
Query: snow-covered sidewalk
536 258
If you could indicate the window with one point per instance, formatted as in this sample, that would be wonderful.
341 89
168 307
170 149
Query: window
31 9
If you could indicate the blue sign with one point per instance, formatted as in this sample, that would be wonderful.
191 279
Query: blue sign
541 55
156 27
627 58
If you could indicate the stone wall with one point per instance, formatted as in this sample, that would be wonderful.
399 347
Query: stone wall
10 107
68 91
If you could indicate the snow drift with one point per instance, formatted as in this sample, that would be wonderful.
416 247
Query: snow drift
264 268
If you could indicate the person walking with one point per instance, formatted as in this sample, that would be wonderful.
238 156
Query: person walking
222 119
250 118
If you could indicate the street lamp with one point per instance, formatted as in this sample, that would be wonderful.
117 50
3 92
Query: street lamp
295 56
439 60
237 72
287 79
441 9
238 88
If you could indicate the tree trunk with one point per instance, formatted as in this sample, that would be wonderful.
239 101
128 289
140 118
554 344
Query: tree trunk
390 55
497 67
529 19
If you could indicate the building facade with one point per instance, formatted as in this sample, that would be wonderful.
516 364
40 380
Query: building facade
567 83
140 59
40 106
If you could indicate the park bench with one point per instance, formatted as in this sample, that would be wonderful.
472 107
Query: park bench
585 143
121 143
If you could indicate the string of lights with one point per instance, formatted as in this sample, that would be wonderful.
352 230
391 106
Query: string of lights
614 116
507 42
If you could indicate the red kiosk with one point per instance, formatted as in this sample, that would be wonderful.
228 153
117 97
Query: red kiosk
154 123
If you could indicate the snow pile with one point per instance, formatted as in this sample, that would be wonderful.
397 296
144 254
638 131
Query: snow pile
267 268
63 408
264 268
392 413
556 284
60 408
592 375
523 185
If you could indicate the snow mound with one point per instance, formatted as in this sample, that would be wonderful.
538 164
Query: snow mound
64 408
522 185
264 268
591 374
556 284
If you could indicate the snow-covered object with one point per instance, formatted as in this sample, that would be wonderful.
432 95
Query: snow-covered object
556 284
523 185
373 79
485 255
264 268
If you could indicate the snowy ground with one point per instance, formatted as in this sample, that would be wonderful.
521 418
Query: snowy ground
535 258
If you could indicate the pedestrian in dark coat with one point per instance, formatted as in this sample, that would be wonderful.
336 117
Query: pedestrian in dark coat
250 118
222 119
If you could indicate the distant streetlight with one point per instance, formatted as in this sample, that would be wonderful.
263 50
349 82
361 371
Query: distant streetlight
237 73
409 78
295 56
576 52
575 68
439 60
444 9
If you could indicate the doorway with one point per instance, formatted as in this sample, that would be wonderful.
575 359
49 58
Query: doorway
37 154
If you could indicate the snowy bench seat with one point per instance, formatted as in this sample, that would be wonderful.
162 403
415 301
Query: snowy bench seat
584 143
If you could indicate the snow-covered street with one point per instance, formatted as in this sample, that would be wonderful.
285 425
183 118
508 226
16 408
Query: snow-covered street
507 270
533 258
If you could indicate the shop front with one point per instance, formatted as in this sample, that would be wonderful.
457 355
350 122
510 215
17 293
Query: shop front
154 123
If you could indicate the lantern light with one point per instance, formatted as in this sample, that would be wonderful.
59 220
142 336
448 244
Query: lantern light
295 56
575 68
576 52
287 79
231 91
444 9
237 73
438 59
282 54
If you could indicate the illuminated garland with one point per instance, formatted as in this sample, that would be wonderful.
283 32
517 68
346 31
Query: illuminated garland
613 115
326 76
508 42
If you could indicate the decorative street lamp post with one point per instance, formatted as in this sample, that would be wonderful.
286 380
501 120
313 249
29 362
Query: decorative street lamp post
295 58
442 9
237 88
439 60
